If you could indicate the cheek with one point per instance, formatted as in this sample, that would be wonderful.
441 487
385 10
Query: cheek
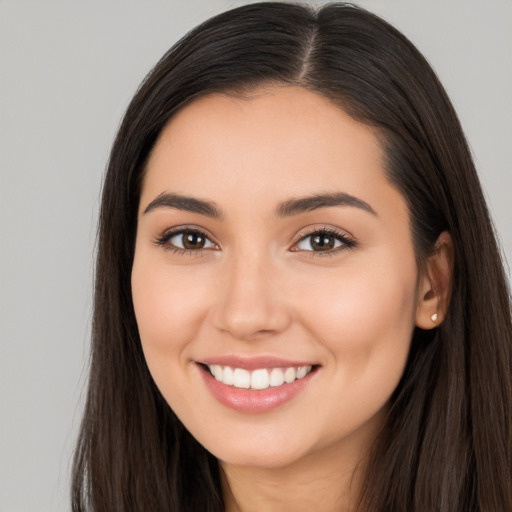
169 307
365 318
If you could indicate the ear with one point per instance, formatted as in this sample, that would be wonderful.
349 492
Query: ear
435 284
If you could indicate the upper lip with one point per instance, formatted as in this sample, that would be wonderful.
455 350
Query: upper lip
255 362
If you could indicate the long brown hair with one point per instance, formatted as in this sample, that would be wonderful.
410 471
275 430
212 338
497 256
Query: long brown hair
447 442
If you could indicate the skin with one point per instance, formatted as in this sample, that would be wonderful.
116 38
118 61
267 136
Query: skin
257 290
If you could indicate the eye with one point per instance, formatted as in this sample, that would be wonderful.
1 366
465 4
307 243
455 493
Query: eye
323 240
186 240
191 240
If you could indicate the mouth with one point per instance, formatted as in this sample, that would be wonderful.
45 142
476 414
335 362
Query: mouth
256 386
260 378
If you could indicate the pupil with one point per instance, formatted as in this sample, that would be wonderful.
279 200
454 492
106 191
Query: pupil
193 241
322 242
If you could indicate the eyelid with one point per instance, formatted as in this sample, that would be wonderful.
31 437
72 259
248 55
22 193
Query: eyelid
164 238
347 240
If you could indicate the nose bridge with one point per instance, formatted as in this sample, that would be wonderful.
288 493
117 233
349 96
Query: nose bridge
249 301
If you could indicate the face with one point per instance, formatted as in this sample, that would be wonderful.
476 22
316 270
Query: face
274 281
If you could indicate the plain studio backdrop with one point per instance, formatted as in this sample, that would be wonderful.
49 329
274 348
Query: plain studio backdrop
67 71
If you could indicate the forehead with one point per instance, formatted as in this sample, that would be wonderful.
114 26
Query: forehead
275 142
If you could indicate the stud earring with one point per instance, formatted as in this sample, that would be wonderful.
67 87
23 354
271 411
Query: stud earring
434 318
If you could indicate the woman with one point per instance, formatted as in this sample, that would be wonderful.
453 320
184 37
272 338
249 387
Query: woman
299 298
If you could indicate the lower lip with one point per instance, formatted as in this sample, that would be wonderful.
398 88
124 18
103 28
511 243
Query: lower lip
254 401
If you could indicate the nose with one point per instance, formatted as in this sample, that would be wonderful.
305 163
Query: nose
250 301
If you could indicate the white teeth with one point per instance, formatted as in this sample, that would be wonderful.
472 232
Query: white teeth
276 377
258 379
241 378
302 371
217 372
228 376
290 375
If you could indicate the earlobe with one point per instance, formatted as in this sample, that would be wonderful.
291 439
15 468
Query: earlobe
435 285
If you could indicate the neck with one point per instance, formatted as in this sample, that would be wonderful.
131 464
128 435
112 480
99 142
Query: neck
327 480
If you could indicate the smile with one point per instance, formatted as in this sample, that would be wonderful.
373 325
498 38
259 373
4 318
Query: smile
258 379
256 385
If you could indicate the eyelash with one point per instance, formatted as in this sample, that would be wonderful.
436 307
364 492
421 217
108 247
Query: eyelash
163 240
346 241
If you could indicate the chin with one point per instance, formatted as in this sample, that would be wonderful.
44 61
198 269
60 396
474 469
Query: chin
268 449
257 459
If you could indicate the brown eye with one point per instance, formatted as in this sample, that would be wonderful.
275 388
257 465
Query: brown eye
319 242
190 241
328 241
193 240
322 242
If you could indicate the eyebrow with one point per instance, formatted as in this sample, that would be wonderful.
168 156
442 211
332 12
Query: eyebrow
286 209
314 202
185 203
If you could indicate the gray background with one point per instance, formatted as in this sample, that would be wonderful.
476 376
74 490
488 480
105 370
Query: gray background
67 72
